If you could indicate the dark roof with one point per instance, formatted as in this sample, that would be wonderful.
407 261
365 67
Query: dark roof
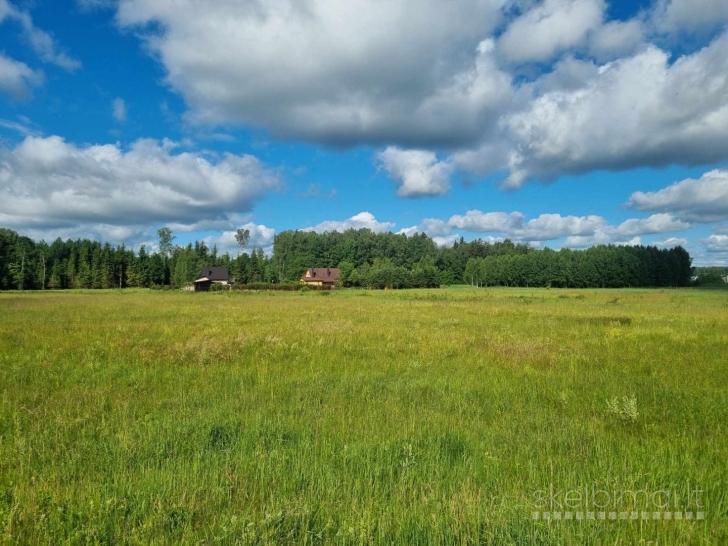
321 274
214 273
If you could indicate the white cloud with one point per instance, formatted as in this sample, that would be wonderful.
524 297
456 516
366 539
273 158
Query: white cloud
446 240
41 42
599 238
118 109
418 173
424 77
435 227
47 183
359 221
716 243
579 231
550 28
554 226
131 236
484 222
439 230
690 15
616 38
16 78
628 232
514 225
260 237
672 242
702 200
657 223
414 72
637 111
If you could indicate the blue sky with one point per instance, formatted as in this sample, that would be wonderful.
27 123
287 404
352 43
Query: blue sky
553 122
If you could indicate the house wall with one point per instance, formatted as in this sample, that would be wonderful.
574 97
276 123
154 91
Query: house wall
202 286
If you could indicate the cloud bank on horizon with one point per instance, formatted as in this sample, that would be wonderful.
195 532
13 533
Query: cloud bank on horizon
513 91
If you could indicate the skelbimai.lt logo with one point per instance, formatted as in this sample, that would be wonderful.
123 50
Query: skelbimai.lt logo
591 502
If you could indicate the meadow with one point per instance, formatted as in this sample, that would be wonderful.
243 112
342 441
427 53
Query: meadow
364 417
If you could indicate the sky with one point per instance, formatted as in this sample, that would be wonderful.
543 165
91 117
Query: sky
560 123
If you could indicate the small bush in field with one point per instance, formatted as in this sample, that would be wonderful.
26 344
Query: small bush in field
624 409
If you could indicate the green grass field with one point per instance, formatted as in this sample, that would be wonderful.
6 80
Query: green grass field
413 417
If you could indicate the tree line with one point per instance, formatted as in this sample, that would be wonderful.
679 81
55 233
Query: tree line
596 267
83 263
366 259
392 260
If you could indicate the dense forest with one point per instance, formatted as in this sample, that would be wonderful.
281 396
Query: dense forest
366 259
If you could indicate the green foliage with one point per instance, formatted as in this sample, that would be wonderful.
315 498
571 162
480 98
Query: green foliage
242 236
711 276
367 259
166 240
596 267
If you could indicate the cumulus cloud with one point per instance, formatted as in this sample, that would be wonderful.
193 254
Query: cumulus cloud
599 238
42 43
419 78
702 200
628 232
17 78
413 72
514 225
716 243
418 173
636 111
690 15
439 230
118 109
260 237
554 226
672 242
550 28
578 231
358 221
616 38
48 183
484 222
657 223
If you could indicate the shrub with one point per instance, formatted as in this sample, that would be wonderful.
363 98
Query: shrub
624 409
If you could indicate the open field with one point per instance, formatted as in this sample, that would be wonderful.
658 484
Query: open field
414 417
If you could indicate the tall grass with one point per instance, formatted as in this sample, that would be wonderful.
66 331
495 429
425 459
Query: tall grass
420 417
